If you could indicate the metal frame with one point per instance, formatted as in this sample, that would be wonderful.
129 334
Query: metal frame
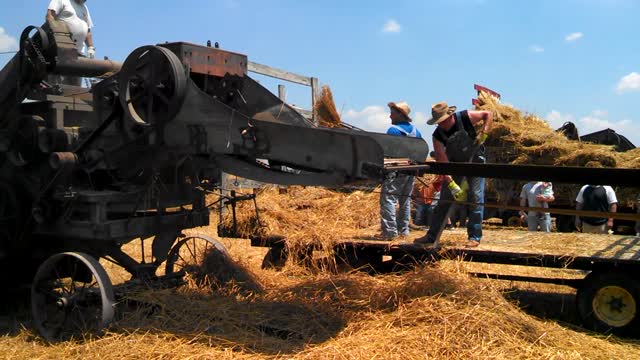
294 78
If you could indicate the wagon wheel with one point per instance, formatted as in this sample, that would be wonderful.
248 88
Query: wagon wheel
153 85
610 303
197 256
71 295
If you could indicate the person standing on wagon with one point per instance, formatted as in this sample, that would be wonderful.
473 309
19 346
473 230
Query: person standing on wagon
456 139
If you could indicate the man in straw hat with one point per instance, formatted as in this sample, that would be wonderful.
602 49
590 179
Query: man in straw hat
456 139
397 188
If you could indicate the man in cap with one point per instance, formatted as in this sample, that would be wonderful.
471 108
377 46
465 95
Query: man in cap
456 139
74 14
397 188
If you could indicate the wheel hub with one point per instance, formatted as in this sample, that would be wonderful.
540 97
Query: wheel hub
62 303
614 305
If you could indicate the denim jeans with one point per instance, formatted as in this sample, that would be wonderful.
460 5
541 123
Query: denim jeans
396 190
544 222
423 214
474 223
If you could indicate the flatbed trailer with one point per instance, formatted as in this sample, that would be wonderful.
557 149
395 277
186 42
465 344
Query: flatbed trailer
605 269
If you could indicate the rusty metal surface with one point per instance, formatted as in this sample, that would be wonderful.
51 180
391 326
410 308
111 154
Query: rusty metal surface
208 61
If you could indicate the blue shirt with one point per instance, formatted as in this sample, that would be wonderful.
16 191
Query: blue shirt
406 127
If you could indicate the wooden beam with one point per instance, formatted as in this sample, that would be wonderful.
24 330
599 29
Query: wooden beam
282 93
314 94
306 113
278 73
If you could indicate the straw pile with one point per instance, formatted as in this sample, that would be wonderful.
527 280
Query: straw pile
529 139
429 313
309 215
326 109
435 312
518 138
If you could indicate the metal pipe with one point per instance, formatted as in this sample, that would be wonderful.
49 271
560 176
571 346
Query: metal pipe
86 67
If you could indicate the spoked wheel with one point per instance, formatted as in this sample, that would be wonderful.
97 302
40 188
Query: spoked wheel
153 85
197 256
610 303
71 295
189 254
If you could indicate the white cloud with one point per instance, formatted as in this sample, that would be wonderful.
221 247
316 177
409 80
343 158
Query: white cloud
536 48
599 120
391 26
371 118
630 82
556 119
7 42
573 36
376 118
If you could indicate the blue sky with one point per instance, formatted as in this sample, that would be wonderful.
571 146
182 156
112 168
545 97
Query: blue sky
563 60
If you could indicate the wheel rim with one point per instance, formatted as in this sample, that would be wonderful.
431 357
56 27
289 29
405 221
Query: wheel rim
614 305
189 254
71 295
152 85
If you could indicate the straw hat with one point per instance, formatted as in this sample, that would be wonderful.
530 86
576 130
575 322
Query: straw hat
401 107
440 112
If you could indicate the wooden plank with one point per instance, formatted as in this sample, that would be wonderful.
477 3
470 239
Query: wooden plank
314 94
278 73
306 113
282 93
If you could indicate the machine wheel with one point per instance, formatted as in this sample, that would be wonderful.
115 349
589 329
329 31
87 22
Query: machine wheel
71 295
192 253
153 85
610 303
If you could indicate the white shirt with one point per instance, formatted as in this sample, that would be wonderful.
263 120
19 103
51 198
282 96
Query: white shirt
77 18
611 195
531 190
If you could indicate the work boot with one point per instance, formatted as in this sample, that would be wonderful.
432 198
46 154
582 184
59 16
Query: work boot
384 237
472 244
424 240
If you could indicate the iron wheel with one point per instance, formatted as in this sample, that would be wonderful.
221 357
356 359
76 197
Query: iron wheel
71 295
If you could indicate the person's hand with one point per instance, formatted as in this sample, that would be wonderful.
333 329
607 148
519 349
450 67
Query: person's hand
481 138
578 224
459 192
91 52
541 198
610 224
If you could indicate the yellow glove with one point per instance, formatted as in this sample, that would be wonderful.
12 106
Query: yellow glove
459 192
481 138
